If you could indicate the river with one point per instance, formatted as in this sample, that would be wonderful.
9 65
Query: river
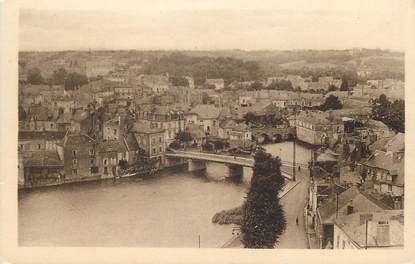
171 209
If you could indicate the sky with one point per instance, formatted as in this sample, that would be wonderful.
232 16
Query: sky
210 25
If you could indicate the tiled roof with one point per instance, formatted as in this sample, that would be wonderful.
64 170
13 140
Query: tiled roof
131 142
140 127
316 118
41 159
384 160
80 115
47 135
78 139
354 225
206 111
64 118
111 146
39 112
360 202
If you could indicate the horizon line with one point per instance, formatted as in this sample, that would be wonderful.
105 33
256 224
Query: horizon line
210 50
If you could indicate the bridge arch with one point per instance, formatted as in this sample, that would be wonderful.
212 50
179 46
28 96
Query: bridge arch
277 138
263 138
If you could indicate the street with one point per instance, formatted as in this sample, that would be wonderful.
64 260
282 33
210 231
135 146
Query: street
293 203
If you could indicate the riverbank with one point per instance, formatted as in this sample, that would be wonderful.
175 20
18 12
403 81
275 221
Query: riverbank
234 215
141 174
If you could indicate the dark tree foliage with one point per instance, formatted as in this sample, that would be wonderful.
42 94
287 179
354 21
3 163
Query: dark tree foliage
332 88
390 113
179 81
256 86
184 137
281 85
59 76
200 68
74 81
34 76
250 118
332 103
263 218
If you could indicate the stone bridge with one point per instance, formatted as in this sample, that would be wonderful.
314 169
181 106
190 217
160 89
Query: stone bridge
231 165
273 134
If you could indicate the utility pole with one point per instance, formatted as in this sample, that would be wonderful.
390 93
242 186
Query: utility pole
366 235
294 166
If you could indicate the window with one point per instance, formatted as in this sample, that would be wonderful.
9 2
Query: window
154 150
74 161
161 149
75 172
115 132
160 139
51 125
91 152
105 161
74 152
38 146
92 161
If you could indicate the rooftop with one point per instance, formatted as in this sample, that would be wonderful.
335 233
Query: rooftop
385 228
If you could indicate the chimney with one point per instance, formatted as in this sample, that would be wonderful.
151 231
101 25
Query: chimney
350 208
383 233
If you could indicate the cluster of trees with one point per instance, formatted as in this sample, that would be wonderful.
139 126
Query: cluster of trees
179 64
390 113
71 80
281 85
269 119
332 102
179 81
263 217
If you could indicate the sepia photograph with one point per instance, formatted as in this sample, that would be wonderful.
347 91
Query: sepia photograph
208 124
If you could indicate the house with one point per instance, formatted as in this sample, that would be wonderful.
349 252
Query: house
112 129
79 156
353 200
313 127
40 168
39 118
64 121
39 140
206 115
197 132
169 119
98 68
245 100
238 134
110 157
219 84
385 169
151 140
370 230
158 83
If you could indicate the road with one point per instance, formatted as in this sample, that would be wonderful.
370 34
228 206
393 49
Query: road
294 236
293 202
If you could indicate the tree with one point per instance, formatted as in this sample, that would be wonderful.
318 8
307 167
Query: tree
34 76
263 218
390 113
250 118
256 86
74 81
332 103
59 76
332 88
345 84
184 137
